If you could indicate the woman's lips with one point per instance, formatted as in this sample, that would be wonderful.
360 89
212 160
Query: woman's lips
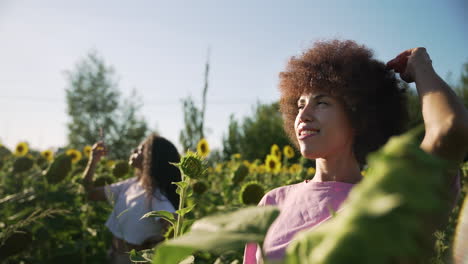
305 133
302 137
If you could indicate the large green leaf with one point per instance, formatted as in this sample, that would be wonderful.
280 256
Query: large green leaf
142 256
185 210
389 208
168 216
219 233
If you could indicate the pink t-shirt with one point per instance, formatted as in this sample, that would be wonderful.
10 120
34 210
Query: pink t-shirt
302 206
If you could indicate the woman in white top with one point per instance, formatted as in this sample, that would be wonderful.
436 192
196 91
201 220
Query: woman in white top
151 189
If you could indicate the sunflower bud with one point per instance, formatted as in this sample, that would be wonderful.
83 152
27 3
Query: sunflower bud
251 193
240 174
22 164
120 169
191 165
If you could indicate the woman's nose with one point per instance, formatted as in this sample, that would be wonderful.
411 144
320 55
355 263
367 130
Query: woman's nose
305 114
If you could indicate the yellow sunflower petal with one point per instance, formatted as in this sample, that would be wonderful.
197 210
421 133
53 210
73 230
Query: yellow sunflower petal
288 151
74 154
87 150
272 164
21 149
203 149
48 155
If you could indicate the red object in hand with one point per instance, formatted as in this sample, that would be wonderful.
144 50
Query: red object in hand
399 63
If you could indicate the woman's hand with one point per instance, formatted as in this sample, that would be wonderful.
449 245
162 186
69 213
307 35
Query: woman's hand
98 151
411 63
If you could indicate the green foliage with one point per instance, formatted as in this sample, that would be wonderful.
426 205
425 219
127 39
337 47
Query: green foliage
59 169
193 121
462 87
46 213
254 137
169 217
199 187
414 106
23 164
219 234
94 105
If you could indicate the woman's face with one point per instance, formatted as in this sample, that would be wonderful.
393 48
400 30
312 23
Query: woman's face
322 127
136 158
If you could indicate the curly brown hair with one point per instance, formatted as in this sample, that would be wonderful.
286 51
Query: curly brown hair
157 170
373 98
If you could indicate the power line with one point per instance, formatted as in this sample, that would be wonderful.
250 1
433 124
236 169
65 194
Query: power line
55 100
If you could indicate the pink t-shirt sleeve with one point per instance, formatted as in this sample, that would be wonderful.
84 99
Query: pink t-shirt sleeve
251 251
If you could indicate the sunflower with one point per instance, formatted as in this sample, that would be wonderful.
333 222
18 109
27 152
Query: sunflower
272 164
236 156
219 168
295 168
48 155
203 148
251 193
191 165
110 163
253 168
275 150
311 171
74 154
21 149
87 150
120 169
288 152
261 169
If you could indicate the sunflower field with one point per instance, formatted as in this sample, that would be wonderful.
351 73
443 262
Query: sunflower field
45 217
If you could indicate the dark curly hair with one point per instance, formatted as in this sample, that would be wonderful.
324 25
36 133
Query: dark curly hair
373 98
157 172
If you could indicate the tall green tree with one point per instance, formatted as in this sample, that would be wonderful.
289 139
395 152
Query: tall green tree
254 137
462 87
97 111
194 118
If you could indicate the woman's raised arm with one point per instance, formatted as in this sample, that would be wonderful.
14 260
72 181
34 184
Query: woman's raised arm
445 117
94 193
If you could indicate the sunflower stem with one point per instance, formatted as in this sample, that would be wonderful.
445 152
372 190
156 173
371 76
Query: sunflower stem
180 217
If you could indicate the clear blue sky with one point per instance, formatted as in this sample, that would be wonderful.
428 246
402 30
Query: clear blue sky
159 48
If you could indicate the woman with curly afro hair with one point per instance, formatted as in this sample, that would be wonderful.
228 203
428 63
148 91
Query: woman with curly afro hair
338 105
150 190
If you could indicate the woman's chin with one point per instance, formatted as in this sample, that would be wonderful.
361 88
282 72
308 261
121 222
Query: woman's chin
309 154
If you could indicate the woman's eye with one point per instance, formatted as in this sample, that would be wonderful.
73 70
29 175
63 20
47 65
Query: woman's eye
322 103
